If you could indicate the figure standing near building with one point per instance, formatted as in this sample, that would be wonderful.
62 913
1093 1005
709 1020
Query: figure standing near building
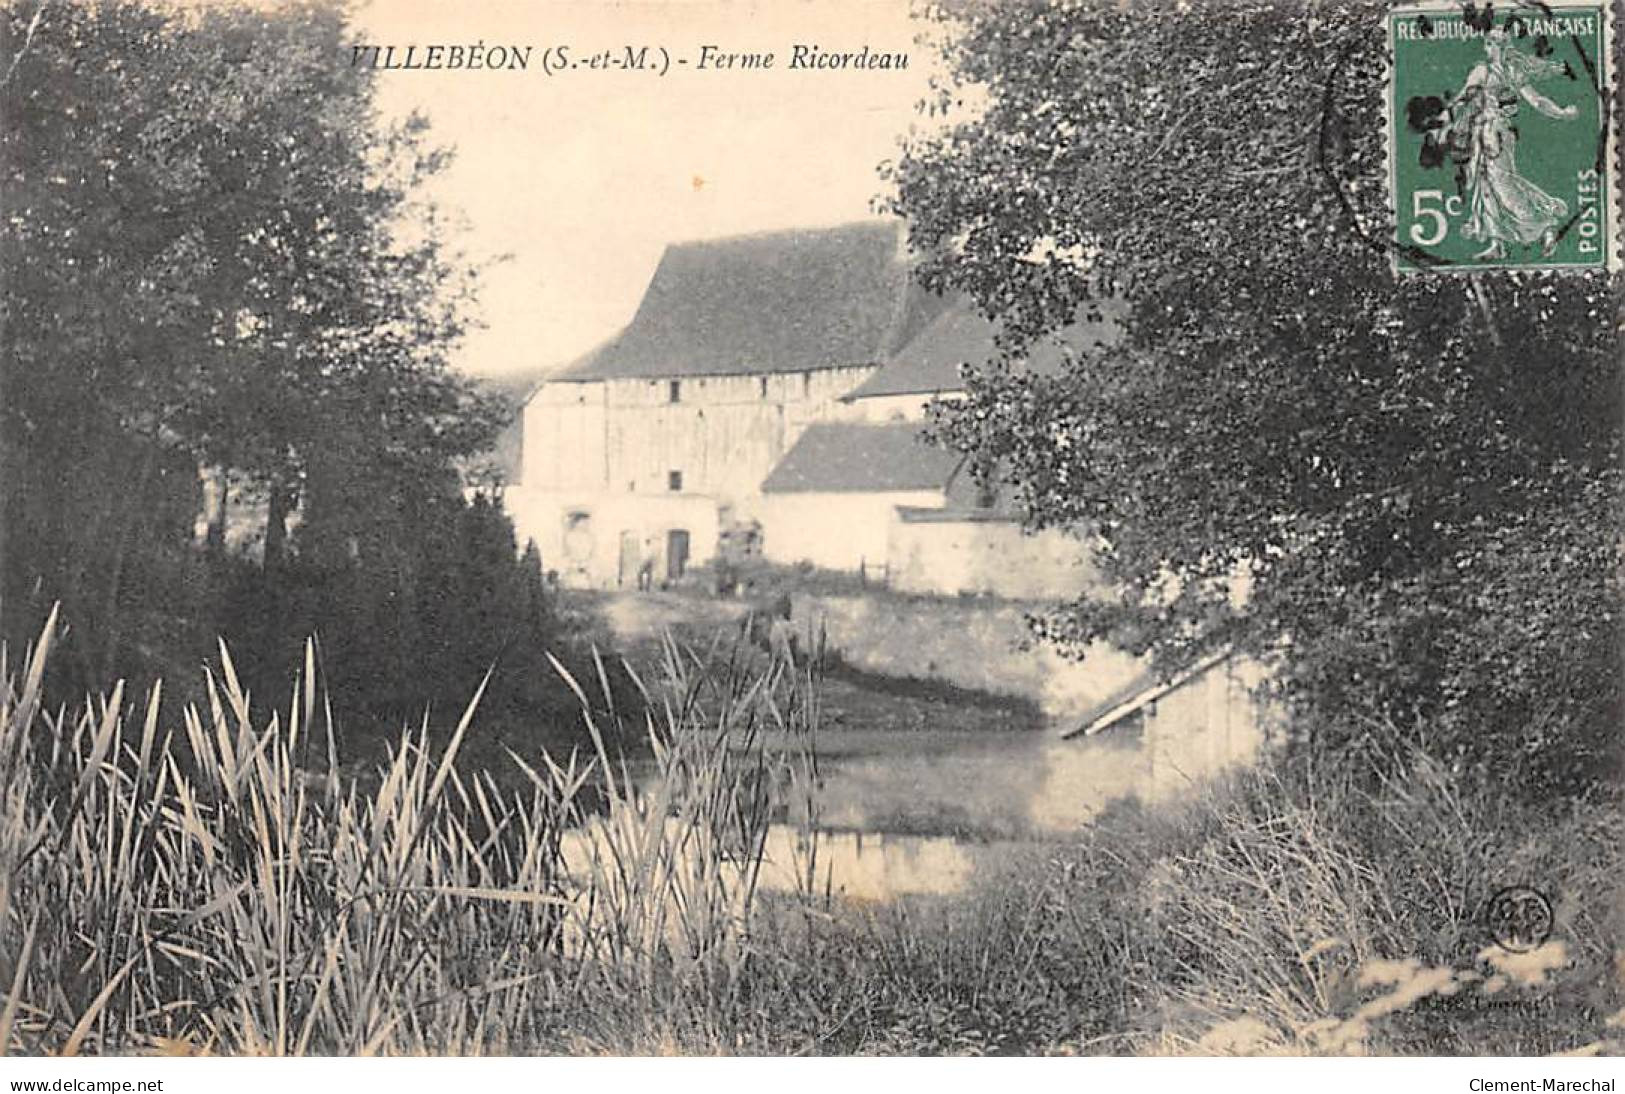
781 635
646 566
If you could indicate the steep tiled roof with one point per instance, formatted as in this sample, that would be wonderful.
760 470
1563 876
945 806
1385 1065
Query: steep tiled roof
929 364
776 302
845 457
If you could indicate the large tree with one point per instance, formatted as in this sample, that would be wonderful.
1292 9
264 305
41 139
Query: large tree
212 252
1419 475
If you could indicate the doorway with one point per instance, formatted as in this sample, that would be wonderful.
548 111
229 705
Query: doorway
676 553
627 573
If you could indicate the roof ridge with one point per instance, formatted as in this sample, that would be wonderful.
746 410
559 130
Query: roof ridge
891 336
774 233
787 300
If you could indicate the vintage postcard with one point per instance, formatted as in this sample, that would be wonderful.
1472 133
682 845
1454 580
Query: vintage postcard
815 528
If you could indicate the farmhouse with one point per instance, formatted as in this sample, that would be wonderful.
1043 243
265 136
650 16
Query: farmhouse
641 458
773 391
770 393
871 494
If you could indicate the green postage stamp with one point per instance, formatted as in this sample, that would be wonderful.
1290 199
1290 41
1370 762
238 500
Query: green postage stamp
1500 136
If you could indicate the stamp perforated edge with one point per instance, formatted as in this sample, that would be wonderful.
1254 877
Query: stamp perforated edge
1613 207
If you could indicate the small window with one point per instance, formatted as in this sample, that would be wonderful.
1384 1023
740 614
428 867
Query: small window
806 383
763 382
674 480
674 391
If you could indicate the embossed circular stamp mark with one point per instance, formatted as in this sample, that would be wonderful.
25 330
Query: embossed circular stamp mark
1518 918
1501 134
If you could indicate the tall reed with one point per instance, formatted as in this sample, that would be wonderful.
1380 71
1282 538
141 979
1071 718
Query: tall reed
224 885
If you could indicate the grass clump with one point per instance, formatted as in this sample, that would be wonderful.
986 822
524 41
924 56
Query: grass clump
1301 909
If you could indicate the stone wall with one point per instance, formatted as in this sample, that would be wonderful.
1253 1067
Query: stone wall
836 531
981 644
953 552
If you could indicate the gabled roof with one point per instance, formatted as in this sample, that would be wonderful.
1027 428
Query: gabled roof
930 363
839 457
776 302
506 457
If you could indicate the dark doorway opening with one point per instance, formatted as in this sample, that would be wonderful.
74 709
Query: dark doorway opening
631 559
676 553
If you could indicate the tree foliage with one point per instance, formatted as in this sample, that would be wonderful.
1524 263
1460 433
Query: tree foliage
1418 476
216 253
432 599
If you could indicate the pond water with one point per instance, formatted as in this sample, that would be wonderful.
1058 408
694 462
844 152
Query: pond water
921 786
976 786
873 867
921 813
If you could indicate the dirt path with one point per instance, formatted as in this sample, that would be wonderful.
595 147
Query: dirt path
639 619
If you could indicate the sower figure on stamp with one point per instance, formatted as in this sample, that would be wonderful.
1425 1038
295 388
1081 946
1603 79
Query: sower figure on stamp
1503 206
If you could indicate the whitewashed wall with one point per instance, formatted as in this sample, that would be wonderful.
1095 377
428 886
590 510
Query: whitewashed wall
609 447
982 556
891 408
545 516
564 438
1209 724
724 433
836 531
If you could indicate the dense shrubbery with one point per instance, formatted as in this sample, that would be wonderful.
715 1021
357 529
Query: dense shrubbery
431 598
1288 911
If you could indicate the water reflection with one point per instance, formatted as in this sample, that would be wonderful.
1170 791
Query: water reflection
920 813
978 786
856 866
868 866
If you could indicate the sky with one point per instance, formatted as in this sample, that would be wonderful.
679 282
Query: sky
582 177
